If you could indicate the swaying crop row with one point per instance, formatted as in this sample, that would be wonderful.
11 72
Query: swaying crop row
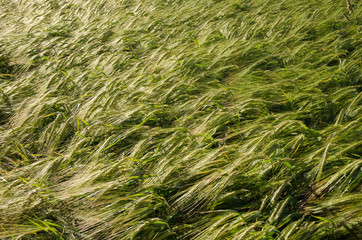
183 119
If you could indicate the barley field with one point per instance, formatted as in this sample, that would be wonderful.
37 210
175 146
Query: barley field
180 119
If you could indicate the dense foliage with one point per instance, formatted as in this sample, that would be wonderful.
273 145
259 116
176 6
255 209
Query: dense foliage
183 119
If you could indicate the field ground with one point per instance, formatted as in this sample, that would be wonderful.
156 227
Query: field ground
183 119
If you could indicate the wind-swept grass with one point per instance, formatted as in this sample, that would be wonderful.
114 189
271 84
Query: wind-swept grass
130 119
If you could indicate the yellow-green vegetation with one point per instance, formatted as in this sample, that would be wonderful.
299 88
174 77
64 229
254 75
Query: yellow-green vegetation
180 119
